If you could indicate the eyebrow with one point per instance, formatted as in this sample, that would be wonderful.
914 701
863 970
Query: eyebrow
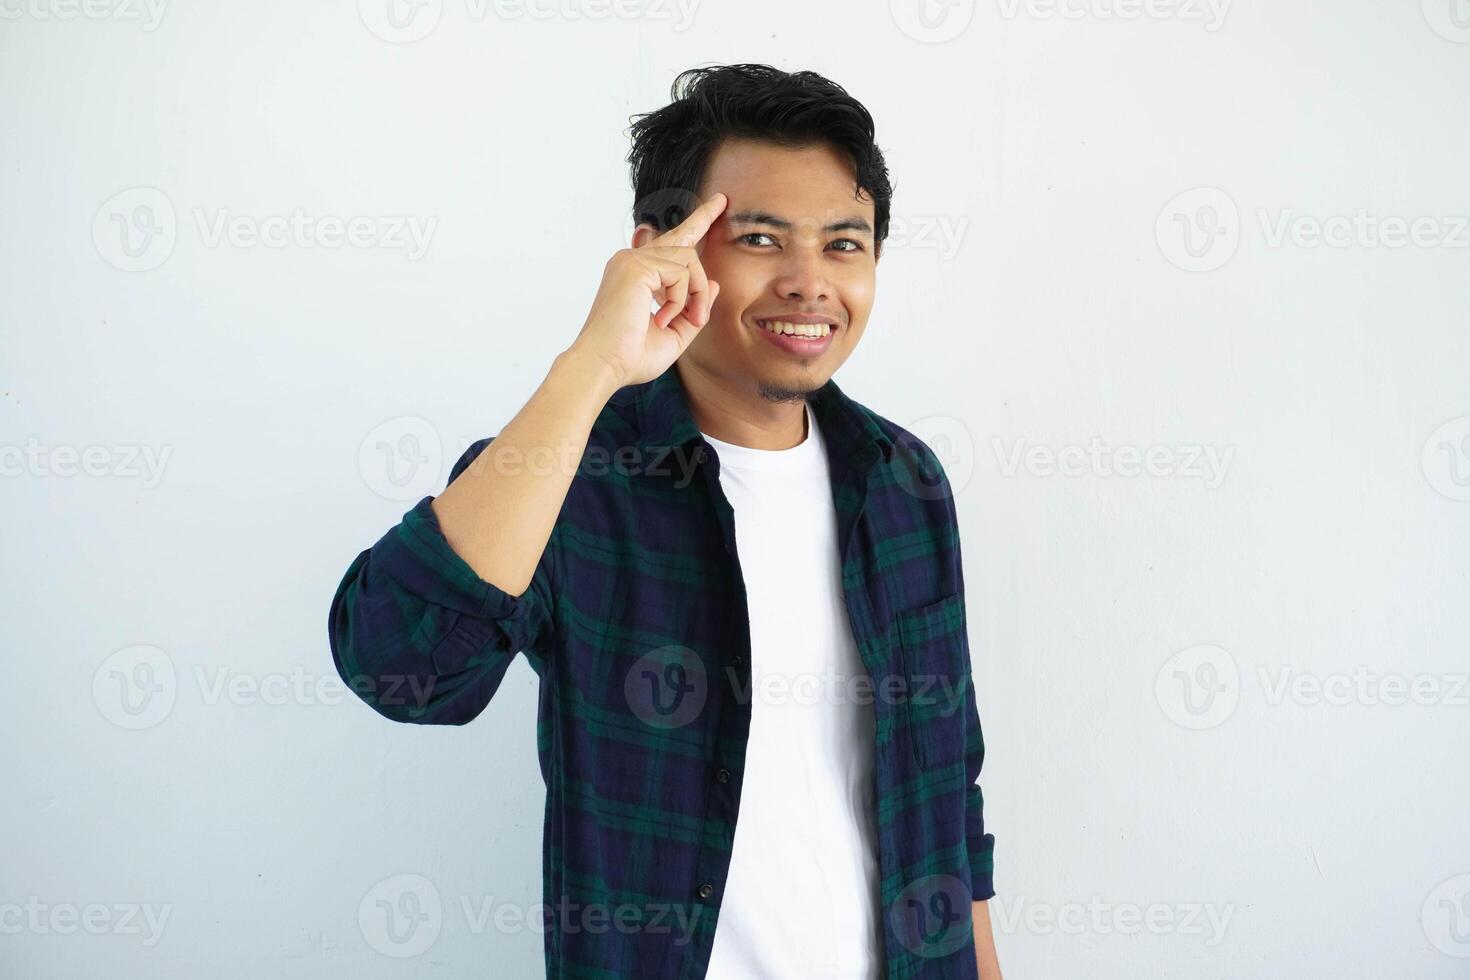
751 217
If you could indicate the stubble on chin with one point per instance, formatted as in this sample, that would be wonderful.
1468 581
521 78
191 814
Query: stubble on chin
774 392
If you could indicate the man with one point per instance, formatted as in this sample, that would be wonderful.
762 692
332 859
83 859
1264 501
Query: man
686 529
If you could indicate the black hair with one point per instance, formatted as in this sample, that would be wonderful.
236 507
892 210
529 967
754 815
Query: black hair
673 145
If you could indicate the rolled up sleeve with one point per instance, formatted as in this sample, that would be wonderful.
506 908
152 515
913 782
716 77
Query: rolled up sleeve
979 844
419 636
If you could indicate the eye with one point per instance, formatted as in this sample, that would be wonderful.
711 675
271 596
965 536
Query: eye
857 246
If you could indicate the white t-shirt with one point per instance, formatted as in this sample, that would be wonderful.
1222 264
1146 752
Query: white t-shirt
802 900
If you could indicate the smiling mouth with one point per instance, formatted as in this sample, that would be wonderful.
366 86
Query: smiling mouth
804 331
806 341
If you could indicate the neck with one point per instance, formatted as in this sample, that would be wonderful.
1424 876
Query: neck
740 414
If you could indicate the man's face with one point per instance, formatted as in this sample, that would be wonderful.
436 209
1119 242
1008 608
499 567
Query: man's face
794 239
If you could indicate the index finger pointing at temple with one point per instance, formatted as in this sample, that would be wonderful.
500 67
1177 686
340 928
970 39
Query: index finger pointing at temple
693 228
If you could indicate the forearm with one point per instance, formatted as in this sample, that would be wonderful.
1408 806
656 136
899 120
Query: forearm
985 958
499 514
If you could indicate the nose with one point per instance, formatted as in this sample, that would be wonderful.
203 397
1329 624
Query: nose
801 278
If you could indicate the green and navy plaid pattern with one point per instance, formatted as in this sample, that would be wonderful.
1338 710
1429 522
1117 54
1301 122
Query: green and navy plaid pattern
636 623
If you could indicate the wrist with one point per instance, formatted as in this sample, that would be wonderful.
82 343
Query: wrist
586 371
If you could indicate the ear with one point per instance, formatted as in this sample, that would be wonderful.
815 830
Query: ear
644 234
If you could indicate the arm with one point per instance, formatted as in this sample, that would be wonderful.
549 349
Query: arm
981 845
985 958
500 518
425 623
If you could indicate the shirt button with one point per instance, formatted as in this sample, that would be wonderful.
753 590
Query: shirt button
706 890
723 775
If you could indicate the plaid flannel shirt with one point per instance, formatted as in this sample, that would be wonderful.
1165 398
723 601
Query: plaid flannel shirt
636 623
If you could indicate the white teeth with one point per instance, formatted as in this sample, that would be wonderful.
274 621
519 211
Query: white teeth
798 329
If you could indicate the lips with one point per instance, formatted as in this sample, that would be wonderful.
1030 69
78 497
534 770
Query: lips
801 335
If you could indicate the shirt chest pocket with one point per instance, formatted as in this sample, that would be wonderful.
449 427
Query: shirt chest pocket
932 646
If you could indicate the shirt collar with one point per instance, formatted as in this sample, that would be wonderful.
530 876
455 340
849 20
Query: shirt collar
665 423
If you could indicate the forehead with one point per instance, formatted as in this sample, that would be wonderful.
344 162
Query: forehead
805 182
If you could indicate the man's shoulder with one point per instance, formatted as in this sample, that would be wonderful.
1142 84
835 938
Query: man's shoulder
907 447
919 465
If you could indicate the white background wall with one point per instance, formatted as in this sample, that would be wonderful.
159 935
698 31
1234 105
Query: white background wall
1130 633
